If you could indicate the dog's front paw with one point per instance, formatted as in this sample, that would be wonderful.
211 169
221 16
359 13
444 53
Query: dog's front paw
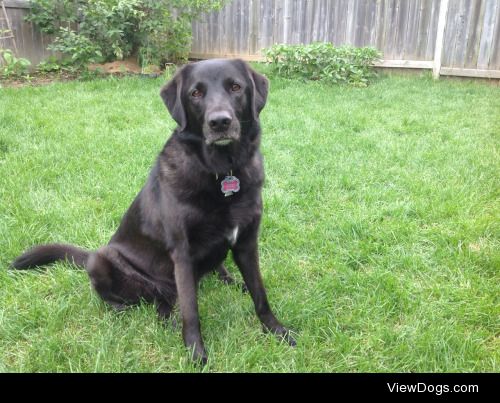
286 336
243 287
199 358
283 334
198 354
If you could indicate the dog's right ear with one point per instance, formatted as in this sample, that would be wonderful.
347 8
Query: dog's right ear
172 97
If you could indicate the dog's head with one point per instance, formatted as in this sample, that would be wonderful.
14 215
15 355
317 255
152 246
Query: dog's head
213 98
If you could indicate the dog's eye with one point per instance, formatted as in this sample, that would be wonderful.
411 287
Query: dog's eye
235 87
196 93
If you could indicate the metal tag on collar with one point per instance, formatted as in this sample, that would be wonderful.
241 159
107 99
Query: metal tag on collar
229 185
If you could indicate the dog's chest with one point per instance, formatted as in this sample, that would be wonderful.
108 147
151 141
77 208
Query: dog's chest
216 229
220 222
224 230
232 235
210 242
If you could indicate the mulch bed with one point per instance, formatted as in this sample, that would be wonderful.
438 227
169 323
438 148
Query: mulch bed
120 68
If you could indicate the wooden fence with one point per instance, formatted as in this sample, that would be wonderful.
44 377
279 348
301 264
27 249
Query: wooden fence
452 37
31 43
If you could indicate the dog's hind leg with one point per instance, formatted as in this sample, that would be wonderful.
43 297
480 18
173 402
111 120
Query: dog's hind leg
117 281
102 275
227 278
165 301
224 275
164 310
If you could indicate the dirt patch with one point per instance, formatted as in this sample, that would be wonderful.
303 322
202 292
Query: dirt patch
36 79
126 66
117 67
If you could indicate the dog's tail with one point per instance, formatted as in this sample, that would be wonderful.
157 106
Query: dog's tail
45 254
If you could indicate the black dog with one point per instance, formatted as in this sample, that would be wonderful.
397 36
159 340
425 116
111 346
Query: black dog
202 198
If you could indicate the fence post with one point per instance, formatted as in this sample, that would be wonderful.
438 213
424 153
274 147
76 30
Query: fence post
438 49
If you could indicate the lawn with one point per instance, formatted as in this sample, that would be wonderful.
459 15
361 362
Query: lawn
379 244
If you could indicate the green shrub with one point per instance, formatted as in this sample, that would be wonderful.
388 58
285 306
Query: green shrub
53 64
323 61
78 47
50 15
156 31
165 32
12 66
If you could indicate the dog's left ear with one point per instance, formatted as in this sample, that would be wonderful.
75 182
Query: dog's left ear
260 90
172 97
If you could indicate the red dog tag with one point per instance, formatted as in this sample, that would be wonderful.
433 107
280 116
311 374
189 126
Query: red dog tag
230 185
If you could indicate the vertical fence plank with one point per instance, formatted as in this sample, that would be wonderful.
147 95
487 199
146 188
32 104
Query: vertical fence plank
495 55
336 32
324 10
212 33
423 29
452 22
412 25
443 10
486 42
287 21
369 24
333 31
309 30
402 23
465 10
359 23
390 29
297 21
472 50
254 28
381 23
352 7
278 22
374 18
433 26
267 14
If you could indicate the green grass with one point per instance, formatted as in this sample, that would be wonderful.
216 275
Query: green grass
379 244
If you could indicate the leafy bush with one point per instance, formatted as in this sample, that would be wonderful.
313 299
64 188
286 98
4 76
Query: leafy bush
79 47
162 42
12 66
156 31
50 15
54 65
323 61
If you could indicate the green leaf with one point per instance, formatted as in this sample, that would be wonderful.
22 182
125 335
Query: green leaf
8 57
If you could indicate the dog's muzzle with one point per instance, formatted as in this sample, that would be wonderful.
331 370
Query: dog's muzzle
221 129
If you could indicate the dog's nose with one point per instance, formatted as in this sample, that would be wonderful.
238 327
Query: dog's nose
219 121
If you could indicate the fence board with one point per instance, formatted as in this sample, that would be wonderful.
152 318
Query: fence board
389 48
462 33
431 39
487 35
409 49
495 55
449 32
472 50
